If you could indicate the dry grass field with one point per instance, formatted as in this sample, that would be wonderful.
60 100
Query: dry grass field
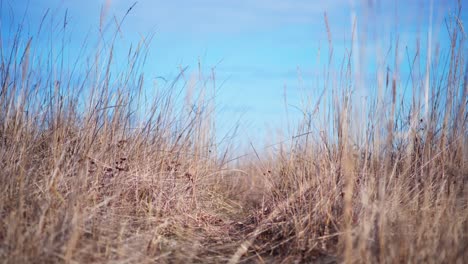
88 175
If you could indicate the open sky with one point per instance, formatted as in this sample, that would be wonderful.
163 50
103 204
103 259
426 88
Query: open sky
259 48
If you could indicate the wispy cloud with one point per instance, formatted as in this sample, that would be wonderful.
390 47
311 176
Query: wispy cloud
227 16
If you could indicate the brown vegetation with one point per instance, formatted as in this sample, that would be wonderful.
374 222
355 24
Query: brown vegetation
88 175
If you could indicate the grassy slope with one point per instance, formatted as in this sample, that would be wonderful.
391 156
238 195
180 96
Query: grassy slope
85 179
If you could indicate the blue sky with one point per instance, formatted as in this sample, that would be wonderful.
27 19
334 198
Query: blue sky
259 48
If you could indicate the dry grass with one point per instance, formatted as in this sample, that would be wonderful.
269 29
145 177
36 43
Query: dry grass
86 179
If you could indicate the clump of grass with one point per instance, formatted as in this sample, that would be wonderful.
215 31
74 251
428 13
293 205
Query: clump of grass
93 168
389 188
